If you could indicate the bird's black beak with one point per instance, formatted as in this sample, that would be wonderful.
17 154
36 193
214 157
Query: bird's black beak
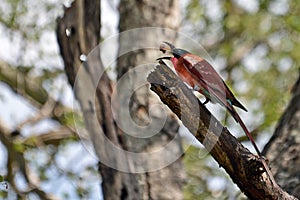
161 59
164 58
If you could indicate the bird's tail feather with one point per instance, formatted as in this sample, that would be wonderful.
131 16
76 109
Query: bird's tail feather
238 119
236 116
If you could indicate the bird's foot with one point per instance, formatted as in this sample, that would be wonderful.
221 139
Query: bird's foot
206 101
196 88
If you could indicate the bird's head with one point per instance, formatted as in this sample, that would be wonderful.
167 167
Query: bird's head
167 47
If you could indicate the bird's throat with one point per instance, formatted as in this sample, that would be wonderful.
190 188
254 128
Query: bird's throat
174 61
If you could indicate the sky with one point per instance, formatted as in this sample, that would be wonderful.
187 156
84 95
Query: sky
15 109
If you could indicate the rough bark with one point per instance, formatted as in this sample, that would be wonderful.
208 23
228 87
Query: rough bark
165 183
78 32
244 168
283 149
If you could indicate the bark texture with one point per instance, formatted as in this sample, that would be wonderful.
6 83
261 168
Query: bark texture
283 149
78 33
142 49
245 169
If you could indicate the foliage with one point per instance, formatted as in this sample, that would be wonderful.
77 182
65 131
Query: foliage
202 175
43 149
256 43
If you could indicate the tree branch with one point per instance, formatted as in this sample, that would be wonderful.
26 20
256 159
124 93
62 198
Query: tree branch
245 169
16 162
29 87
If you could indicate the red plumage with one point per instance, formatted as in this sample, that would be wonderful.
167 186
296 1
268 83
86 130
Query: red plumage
201 76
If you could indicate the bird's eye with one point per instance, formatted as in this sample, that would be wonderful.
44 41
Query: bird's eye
163 48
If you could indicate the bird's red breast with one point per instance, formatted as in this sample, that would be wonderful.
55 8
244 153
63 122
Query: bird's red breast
187 76
199 73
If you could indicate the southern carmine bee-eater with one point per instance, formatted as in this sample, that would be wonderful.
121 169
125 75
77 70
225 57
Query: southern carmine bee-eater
202 77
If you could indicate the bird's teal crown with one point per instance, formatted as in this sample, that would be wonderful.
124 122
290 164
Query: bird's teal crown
177 53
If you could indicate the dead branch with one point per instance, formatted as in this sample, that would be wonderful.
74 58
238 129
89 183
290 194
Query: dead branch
245 169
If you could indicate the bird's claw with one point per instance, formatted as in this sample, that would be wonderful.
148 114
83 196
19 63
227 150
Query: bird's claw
206 101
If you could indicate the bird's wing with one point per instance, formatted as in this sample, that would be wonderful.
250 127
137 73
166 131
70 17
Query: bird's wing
211 80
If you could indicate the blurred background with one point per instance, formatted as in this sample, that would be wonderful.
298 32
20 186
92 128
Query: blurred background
253 44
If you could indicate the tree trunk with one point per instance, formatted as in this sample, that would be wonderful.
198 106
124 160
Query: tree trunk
153 129
121 154
283 149
78 33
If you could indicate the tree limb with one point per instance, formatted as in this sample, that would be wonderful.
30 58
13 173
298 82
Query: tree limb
245 169
29 87
16 163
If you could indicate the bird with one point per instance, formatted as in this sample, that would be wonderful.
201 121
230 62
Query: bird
202 77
